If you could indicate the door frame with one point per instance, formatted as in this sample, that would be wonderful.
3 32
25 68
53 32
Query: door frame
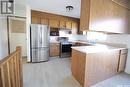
8 36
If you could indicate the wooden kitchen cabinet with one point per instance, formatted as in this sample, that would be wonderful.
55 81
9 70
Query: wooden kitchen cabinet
78 66
44 21
54 23
36 20
74 27
111 17
62 24
89 69
54 49
84 15
68 25
122 60
105 16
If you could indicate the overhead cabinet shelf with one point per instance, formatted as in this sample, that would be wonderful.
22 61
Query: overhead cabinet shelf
104 15
55 21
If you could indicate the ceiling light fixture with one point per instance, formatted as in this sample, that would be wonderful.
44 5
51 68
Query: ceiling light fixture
69 8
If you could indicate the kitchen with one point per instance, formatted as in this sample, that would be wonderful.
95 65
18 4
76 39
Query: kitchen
77 43
102 31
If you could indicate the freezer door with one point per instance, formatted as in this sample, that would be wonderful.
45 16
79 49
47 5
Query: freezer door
41 54
45 32
36 36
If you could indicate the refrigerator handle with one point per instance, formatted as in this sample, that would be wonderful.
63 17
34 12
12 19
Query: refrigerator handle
41 35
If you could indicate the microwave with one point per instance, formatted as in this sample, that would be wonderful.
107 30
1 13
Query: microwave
54 33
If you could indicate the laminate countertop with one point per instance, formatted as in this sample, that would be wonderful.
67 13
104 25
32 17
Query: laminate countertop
96 48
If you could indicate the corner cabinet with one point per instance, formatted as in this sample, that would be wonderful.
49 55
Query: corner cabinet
104 15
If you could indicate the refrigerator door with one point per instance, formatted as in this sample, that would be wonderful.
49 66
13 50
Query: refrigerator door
45 33
40 54
36 36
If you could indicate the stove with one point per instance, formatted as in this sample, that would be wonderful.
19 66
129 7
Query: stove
65 50
65 47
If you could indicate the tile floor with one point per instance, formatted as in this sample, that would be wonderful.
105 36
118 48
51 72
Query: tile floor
57 73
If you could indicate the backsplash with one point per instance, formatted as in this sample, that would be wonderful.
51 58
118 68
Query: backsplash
78 37
71 38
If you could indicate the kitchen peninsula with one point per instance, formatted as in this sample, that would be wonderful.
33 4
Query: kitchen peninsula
92 64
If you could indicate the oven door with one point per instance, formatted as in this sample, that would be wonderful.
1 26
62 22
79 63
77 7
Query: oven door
66 50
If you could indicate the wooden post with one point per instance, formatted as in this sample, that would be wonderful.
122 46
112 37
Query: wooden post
20 65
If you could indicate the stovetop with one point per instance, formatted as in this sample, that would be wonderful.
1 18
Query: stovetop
66 42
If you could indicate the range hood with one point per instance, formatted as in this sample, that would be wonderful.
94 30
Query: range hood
124 3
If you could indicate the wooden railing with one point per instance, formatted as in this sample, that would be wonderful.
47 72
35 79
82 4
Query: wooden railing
11 70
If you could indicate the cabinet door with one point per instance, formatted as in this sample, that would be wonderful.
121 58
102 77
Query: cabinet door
62 24
54 49
36 20
68 25
108 16
54 23
74 27
122 60
44 21
85 15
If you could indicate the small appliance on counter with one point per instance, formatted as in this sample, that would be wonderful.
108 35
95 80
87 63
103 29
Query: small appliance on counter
39 42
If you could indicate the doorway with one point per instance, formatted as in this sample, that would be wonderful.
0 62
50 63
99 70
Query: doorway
17 35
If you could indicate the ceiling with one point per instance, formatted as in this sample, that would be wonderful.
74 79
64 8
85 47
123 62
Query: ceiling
56 6
124 3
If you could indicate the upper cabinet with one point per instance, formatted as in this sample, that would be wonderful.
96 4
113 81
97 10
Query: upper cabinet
44 21
74 27
55 21
36 20
84 15
62 24
104 15
68 25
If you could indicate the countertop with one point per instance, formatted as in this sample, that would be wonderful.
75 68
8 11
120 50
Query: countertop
56 42
96 48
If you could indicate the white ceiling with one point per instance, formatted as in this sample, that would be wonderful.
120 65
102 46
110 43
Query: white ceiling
56 6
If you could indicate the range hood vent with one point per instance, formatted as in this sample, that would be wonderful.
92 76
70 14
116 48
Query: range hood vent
124 3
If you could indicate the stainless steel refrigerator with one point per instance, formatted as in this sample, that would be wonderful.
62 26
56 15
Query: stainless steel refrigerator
39 42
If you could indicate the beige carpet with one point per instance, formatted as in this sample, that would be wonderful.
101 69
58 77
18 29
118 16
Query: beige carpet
57 73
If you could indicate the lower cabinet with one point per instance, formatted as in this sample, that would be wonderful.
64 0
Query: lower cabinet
54 49
91 68
122 60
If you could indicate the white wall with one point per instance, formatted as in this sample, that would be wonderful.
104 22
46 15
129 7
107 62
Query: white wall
78 37
121 39
3 37
3 32
71 38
